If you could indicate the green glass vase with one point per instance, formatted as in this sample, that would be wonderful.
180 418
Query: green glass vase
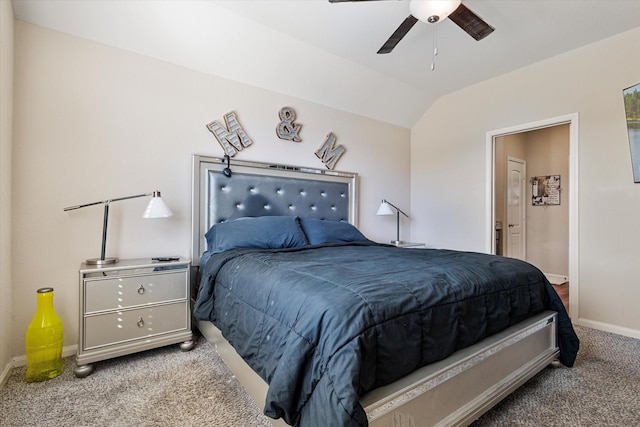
44 340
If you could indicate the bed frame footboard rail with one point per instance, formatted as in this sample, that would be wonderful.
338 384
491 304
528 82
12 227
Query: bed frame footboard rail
459 389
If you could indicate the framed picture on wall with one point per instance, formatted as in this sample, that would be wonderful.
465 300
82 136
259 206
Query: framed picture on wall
545 190
632 109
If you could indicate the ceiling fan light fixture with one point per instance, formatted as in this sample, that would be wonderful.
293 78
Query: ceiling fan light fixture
433 10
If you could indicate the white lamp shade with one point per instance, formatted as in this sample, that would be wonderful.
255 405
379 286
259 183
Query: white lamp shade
384 209
424 9
157 208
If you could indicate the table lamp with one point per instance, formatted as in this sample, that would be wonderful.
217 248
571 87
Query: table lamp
156 208
386 209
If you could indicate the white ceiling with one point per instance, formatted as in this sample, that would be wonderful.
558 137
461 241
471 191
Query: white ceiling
326 53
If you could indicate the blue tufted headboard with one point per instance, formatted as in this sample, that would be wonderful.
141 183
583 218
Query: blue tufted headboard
259 189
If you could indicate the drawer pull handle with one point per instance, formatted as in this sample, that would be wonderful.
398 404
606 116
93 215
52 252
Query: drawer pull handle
141 290
140 322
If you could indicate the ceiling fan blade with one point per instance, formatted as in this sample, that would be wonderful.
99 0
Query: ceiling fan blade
470 22
398 34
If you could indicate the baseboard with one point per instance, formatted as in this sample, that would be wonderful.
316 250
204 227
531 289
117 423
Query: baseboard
607 327
66 352
556 279
5 373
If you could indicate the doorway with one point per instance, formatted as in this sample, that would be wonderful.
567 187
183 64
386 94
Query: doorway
546 235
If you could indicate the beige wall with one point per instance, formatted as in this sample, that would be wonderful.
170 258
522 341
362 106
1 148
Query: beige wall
95 122
6 119
448 152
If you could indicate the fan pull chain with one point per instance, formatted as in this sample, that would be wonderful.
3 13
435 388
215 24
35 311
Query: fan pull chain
435 48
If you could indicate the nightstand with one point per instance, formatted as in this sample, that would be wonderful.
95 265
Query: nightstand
131 306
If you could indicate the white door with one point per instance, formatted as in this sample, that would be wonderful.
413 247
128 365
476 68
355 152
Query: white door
515 233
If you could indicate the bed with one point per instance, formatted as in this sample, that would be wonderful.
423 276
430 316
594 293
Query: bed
393 337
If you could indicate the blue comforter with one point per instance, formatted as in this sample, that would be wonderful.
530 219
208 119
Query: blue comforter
323 325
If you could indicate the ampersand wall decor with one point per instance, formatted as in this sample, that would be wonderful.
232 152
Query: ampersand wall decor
287 129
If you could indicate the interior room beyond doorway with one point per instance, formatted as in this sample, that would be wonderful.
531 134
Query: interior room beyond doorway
545 224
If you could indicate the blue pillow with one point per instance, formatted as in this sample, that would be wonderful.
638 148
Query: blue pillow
320 231
264 232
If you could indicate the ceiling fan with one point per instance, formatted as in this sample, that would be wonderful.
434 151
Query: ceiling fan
433 11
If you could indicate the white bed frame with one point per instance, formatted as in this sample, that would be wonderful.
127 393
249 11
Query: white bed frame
453 391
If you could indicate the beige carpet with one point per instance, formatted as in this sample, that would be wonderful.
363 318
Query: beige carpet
162 387
602 389
167 387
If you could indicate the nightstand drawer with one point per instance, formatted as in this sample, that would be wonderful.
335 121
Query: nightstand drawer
122 292
121 326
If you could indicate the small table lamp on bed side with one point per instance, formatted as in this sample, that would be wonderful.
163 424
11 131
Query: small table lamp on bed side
386 209
156 208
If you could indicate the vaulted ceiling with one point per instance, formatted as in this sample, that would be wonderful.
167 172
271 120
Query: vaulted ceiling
326 52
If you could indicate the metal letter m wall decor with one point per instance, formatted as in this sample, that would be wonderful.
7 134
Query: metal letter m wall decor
329 153
232 138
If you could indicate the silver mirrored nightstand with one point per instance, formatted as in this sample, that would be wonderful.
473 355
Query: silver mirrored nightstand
131 306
